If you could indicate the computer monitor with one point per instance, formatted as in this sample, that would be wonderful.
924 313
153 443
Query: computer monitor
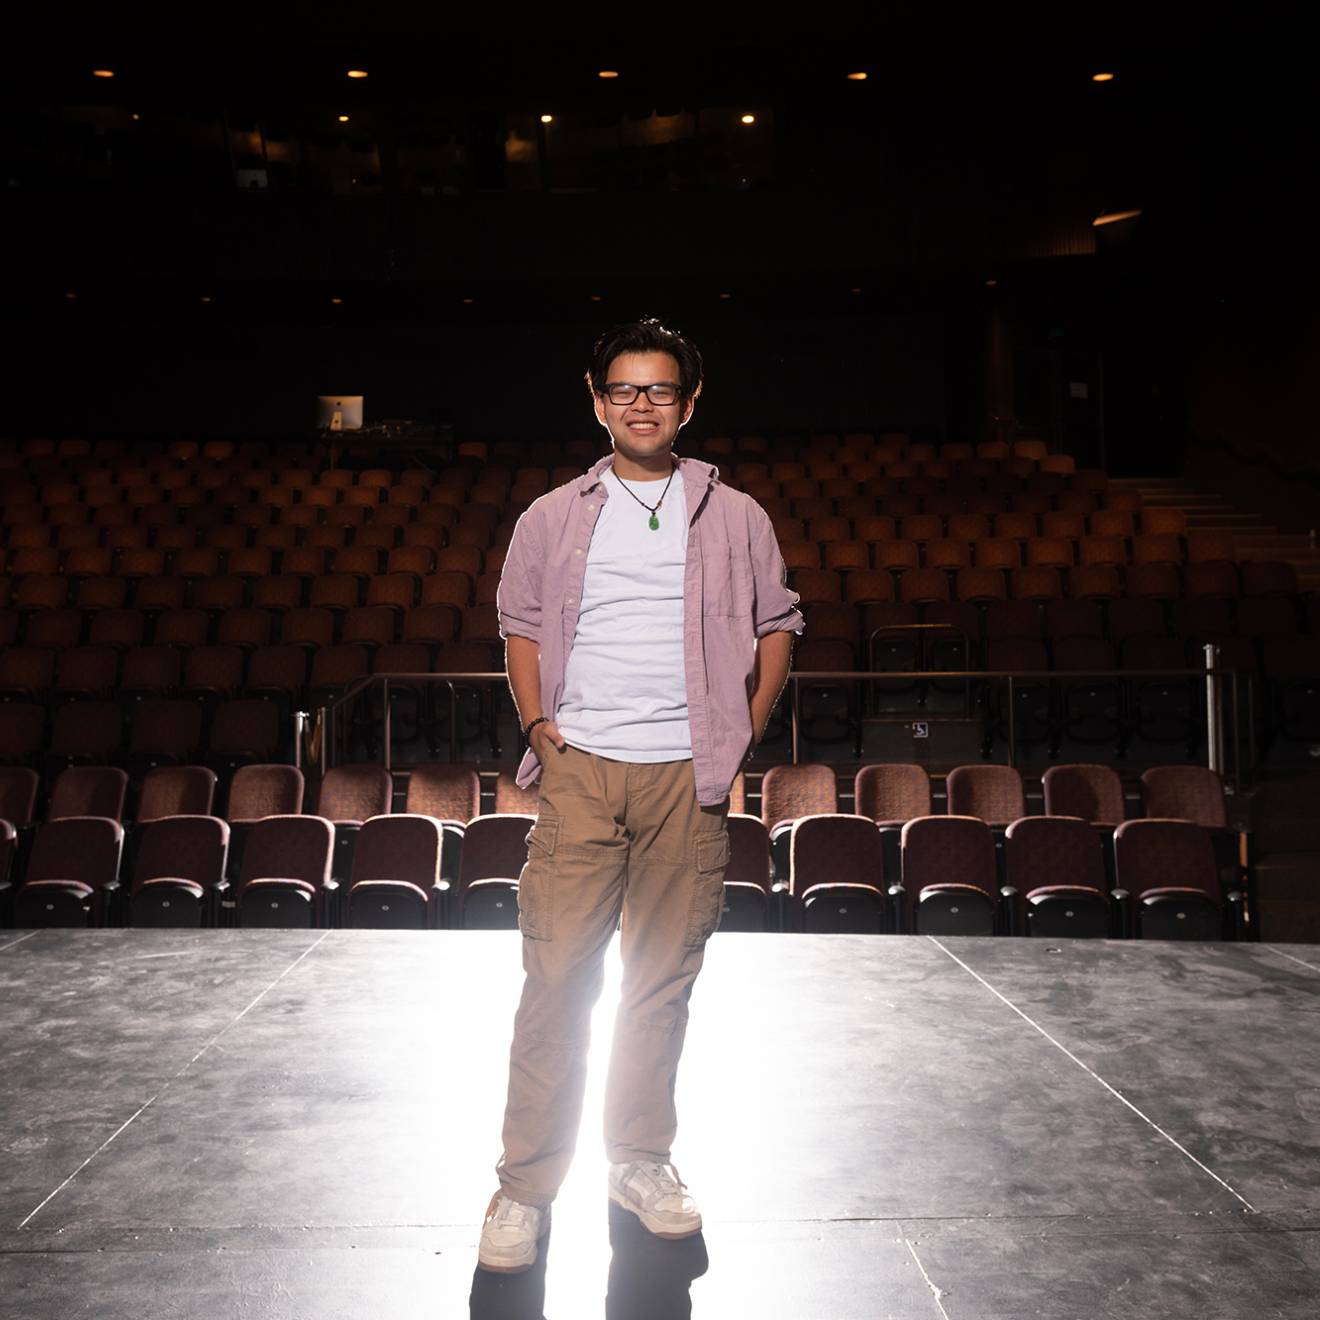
339 412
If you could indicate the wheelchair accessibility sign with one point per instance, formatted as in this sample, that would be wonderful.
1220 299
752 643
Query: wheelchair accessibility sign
921 729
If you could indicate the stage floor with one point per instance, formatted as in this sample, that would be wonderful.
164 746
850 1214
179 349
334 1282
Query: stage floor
261 1124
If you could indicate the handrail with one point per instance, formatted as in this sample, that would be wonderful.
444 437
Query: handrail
1212 675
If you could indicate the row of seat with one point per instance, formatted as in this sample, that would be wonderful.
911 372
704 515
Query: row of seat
837 877
1163 582
233 591
1015 542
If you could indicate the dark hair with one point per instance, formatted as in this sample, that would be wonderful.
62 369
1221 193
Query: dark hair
645 336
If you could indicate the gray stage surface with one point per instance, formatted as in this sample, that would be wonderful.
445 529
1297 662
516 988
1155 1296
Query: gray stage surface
261 1124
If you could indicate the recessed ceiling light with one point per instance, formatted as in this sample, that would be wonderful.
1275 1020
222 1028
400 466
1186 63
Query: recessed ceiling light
206 297
992 284
136 115
469 300
859 76
595 297
726 295
547 119
748 119
1112 217
357 73
608 73
103 73
1102 77
343 119
71 296
854 290
336 301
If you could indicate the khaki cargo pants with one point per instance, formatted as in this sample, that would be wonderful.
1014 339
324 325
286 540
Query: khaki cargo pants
612 838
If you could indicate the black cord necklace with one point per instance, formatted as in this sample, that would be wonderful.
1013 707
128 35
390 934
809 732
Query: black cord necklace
653 522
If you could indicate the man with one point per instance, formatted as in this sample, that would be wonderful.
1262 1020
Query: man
649 632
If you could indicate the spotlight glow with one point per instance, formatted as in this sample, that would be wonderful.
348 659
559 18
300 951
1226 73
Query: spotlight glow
1102 77
343 119
859 76
357 73
103 73
748 119
1113 217
608 73
547 119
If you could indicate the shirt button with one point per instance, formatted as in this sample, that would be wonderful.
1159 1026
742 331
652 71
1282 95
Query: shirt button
577 552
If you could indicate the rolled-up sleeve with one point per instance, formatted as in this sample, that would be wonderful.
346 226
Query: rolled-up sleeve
518 597
775 606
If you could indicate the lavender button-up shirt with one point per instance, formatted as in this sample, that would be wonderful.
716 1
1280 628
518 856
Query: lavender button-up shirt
733 592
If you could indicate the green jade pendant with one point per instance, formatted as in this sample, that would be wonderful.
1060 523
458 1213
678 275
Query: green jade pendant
653 523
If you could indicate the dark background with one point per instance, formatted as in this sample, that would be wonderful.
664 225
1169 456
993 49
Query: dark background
831 260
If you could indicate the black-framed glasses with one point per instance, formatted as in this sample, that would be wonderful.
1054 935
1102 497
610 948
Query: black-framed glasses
662 394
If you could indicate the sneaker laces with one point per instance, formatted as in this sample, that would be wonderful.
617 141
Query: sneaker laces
664 1172
511 1212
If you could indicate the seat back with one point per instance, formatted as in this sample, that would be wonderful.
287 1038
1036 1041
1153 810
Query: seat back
892 792
89 790
790 791
494 848
1053 850
947 849
176 790
993 793
82 848
265 790
355 793
1185 792
402 847
182 847
449 792
1160 854
289 847
834 848
1090 792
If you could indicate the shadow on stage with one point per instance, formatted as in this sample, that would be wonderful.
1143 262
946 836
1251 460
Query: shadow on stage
649 1279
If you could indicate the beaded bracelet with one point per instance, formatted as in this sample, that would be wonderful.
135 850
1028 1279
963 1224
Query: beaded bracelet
542 719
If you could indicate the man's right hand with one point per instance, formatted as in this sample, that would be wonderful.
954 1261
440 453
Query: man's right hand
546 738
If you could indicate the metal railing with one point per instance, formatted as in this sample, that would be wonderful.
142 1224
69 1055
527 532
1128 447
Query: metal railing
324 736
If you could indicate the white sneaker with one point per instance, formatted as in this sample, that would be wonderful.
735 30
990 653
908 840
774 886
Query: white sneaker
657 1196
511 1235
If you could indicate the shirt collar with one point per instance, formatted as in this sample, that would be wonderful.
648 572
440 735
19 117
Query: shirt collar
696 474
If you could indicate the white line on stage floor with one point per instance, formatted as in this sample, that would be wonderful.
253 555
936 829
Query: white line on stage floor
170 1081
1091 1071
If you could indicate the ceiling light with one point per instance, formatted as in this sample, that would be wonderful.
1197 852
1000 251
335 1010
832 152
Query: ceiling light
1102 77
136 115
859 76
103 73
206 297
547 119
343 119
726 295
854 290
1112 217
748 119
992 284
469 300
357 73
336 301
595 297
608 73
71 296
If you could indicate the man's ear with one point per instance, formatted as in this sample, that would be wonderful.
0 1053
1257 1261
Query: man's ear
598 402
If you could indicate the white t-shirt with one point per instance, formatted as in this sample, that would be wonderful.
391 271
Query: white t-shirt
625 688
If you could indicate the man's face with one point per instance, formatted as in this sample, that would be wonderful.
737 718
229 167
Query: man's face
642 429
